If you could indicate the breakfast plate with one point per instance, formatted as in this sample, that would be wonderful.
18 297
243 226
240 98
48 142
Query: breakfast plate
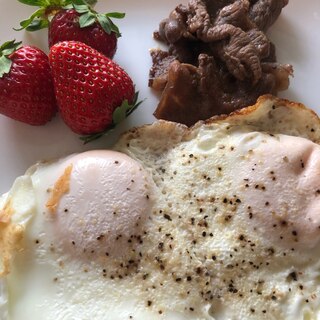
294 33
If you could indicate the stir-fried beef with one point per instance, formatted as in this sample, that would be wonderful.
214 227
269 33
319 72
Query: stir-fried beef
218 60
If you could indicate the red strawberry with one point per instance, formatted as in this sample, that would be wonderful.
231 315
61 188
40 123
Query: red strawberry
75 20
26 86
65 26
92 91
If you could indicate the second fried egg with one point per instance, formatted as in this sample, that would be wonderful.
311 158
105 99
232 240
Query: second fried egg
217 222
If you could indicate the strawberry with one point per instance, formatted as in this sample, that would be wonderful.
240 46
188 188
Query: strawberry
26 86
92 91
75 20
65 26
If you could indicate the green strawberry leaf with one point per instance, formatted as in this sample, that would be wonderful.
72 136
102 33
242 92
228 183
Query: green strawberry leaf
125 109
5 65
87 19
47 3
91 2
81 8
36 20
114 28
83 2
96 136
119 114
5 50
68 6
37 25
40 18
105 23
88 16
9 47
37 3
116 15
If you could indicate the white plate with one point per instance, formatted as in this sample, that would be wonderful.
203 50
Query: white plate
295 35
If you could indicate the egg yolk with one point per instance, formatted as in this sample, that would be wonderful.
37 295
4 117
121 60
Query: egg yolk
104 205
281 190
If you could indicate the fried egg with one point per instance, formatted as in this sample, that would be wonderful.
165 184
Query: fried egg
220 221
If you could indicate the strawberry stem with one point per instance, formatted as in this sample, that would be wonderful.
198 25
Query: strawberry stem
119 114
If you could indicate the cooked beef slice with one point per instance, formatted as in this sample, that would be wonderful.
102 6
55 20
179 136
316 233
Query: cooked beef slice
218 59
196 93
265 12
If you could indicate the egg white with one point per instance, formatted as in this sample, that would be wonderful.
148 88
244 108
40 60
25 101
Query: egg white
201 253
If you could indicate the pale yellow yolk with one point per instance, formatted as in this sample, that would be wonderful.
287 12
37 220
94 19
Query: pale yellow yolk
107 202
281 190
